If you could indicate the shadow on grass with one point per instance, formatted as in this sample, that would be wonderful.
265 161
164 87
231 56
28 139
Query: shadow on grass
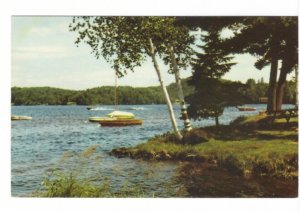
206 180
263 129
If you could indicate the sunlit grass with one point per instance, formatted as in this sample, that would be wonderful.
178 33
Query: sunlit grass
247 146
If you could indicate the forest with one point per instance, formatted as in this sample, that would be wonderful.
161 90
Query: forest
252 90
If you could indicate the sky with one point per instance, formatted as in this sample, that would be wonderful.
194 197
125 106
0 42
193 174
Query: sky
44 54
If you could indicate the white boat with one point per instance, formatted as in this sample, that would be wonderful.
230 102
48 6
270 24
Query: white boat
97 119
121 115
17 118
116 115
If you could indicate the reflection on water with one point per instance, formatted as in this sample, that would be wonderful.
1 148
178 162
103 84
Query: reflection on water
61 138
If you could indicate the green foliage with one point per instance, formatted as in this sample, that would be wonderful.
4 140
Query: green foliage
130 95
41 96
99 95
60 184
212 96
255 90
124 41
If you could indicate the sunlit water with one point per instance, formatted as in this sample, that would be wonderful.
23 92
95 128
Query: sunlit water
56 133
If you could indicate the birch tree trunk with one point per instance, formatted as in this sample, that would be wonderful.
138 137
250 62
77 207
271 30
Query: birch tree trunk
184 114
166 94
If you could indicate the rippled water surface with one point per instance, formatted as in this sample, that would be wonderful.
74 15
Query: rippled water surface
57 134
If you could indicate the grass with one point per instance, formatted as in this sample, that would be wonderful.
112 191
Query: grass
59 184
74 183
249 145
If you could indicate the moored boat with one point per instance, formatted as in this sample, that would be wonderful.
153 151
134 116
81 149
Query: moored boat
121 115
120 122
246 108
117 118
17 118
97 119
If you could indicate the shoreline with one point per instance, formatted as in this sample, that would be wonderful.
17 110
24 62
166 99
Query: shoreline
248 146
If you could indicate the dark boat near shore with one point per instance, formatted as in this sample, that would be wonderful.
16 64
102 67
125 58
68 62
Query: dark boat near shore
246 108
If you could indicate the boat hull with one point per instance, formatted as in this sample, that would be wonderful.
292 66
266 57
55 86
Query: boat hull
246 108
120 122
19 118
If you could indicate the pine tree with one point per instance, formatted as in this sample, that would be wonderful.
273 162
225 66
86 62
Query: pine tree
212 95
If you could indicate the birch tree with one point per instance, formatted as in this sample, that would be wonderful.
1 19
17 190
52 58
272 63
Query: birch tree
126 42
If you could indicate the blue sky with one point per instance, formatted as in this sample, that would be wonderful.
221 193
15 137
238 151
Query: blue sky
44 54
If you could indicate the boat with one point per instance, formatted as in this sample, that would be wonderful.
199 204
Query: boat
120 122
246 108
17 118
121 115
89 108
117 118
97 119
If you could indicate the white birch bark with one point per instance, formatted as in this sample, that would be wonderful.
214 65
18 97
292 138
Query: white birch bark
166 94
184 114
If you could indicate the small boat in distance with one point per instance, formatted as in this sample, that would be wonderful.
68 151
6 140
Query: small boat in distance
18 118
89 107
135 108
246 108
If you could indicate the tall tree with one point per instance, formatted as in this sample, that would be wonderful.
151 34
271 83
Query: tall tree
125 42
289 55
268 39
211 94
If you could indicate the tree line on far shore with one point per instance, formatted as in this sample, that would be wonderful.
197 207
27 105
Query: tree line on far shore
251 90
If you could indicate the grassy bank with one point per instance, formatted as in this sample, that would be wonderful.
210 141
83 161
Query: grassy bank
249 145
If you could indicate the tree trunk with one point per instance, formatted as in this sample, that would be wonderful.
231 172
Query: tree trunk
184 114
217 121
166 94
280 87
296 97
272 86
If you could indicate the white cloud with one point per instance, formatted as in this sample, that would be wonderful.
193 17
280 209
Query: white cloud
38 52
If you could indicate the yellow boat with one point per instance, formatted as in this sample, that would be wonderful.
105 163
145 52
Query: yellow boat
117 118
97 119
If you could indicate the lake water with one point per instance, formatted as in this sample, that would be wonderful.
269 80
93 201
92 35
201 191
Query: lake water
57 135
